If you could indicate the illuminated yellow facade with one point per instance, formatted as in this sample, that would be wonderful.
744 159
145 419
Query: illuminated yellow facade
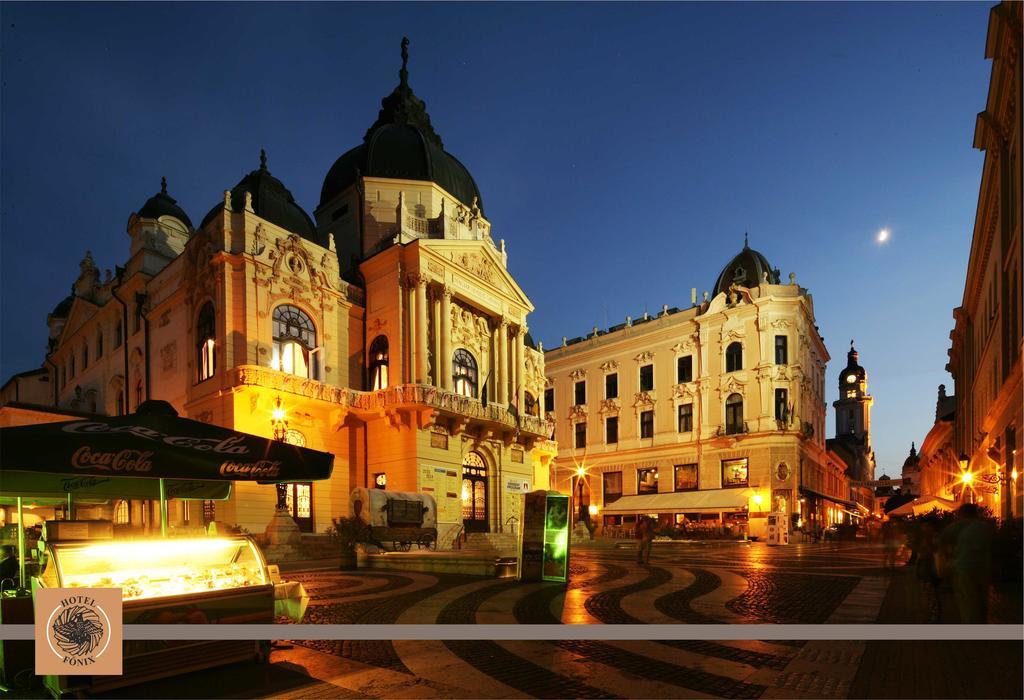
713 415
387 332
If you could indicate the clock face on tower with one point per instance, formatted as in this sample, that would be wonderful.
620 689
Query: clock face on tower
851 378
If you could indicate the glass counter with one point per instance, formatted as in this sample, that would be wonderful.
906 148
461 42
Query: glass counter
146 569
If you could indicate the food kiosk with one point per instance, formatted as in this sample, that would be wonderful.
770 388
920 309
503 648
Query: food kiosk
193 580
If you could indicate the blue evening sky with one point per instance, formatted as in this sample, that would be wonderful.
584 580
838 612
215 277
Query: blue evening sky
621 150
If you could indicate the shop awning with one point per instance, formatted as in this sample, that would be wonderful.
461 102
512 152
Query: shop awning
682 501
923 504
834 499
155 443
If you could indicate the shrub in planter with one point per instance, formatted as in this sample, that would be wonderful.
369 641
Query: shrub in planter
347 533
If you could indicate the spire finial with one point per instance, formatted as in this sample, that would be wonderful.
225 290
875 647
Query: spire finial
746 242
851 343
403 74
163 185
263 159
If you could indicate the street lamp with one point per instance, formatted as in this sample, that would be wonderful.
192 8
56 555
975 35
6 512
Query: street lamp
279 422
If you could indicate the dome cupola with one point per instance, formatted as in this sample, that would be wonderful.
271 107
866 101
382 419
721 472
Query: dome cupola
748 269
162 204
402 144
271 200
853 374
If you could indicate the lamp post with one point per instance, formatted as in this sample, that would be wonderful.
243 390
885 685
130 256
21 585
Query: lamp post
279 422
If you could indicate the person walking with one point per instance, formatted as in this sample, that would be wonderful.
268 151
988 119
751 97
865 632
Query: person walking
927 568
644 536
890 543
969 543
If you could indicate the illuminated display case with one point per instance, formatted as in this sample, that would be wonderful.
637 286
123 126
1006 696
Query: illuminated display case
544 544
147 569
203 580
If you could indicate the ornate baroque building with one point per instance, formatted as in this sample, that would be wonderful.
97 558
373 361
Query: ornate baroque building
713 414
386 327
985 357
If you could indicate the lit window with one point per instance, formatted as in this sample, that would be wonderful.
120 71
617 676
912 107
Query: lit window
734 357
294 350
464 373
379 363
647 480
205 342
612 486
686 477
121 513
734 472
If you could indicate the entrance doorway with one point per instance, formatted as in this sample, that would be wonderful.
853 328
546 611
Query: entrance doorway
299 499
474 493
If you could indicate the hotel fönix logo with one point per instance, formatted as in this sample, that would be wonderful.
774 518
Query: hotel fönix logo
78 631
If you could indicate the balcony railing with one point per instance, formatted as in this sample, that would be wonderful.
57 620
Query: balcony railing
401 396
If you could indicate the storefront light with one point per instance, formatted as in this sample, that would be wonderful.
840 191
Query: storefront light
592 509
966 478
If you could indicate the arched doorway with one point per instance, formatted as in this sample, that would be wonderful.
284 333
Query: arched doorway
474 493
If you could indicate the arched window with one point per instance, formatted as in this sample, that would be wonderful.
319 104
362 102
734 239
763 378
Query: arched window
294 343
119 403
464 373
206 342
99 343
121 513
138 394
734 357
379 363
734 414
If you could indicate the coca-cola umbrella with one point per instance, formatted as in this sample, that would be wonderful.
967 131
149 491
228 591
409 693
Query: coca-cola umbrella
156 443
152 443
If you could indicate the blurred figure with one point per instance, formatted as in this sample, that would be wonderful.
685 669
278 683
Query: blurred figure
644 537
927 569
890 543
968 542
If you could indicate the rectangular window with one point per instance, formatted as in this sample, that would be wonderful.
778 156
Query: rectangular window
647 480
549 400
734 472
611 430
612 484
781 350
118 335
611 386
581 392
647 378
686 417
686 477
781 405
684 369
581 435
99 344
647 424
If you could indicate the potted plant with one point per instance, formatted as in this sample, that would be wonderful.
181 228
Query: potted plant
347 533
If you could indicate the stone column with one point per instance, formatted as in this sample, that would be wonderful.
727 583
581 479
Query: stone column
503 363
519 369
444 359
434 297
421 329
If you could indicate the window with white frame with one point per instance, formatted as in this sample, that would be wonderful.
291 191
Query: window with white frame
295 349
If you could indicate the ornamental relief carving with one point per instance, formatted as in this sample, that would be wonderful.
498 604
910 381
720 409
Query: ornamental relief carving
730 336
377 326
578 413
643 398
578 374
610 366
683 347
609 407
469 328
199 273
477 265
683 391
645 356
781 372
782 323
732 385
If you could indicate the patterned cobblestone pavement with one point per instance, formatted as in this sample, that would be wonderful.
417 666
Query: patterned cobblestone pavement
688 584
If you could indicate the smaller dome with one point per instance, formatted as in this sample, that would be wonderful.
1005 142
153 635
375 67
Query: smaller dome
913 460
162 204
62 309
271 200
748 269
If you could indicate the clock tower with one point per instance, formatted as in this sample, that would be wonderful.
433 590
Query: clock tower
853 409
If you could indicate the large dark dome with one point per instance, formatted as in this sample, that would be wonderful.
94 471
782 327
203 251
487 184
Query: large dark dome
748 269
402 144
163 204
271 200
